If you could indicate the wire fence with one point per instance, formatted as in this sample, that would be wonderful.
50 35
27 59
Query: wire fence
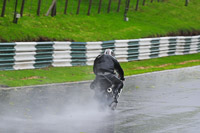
56 7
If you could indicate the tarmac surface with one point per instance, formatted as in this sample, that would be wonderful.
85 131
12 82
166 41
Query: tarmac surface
159 102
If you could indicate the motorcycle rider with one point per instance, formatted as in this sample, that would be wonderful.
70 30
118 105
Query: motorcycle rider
105 65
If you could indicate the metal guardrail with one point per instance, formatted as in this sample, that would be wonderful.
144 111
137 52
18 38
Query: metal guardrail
31 55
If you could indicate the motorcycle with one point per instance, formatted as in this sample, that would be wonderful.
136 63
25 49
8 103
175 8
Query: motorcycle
105 93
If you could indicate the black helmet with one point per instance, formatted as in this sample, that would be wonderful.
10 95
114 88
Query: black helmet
109 52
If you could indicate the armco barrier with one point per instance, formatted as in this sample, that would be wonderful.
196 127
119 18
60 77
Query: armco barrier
30 55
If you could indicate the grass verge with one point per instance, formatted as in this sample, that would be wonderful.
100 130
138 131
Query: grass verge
169 17
79 73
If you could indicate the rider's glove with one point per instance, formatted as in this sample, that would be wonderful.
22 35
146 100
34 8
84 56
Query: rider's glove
122 79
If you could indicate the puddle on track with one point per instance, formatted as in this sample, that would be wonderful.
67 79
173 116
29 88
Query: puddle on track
150 103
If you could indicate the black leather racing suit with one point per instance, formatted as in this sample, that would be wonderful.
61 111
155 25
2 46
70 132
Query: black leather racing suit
105 65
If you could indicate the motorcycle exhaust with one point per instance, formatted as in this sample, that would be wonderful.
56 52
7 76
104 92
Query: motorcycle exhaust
109 90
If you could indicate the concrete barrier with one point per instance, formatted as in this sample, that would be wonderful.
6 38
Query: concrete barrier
31 55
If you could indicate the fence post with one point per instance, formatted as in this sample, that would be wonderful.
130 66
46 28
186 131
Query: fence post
22 8
137 4
99 9
186 2
3 9
38 9
143 3
66 4
109 5
15 13
119 3
126 9
51 7
89 8
53 11
78 8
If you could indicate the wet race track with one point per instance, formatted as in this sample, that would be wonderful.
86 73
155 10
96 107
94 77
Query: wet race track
159 102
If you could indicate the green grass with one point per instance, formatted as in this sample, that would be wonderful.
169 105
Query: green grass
71 74
154 19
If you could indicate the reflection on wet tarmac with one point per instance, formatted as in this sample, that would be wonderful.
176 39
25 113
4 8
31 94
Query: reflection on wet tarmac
150 103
